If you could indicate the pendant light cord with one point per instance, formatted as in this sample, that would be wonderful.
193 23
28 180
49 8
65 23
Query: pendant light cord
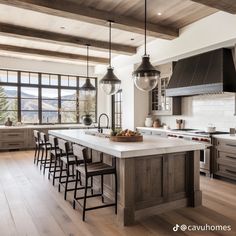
110 43
145 29
87 60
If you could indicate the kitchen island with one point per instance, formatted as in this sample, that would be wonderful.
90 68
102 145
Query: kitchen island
154 176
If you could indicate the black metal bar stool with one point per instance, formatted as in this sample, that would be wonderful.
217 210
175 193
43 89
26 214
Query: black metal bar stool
37 148
89 170
54 165
68 160
45 147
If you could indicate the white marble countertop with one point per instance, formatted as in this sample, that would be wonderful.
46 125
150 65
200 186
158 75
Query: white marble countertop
151 145
225 136
47 126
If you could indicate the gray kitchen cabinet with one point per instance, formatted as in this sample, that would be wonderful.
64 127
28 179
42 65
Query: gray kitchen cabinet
13 139
160 104
225 158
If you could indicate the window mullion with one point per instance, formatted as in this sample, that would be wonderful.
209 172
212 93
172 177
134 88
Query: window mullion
40 99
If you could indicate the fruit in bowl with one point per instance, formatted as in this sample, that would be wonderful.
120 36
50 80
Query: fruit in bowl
125 133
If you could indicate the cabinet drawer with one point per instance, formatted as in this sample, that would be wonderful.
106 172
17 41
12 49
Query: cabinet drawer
226 171
12 135
228 146
12 145
226 157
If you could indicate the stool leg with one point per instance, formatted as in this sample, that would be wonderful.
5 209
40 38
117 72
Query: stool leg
67 178
102 188
61 167
50 165
116 190
80 180
54 171
85 197
35 153
45 161
41 160
38 155
76 184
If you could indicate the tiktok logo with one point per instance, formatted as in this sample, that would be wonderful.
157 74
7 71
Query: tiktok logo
175 228
181 227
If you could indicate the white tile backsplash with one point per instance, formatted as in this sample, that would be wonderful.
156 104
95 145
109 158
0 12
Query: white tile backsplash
199 111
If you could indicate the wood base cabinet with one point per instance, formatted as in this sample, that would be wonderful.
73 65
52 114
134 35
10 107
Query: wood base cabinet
150 185
225 158
15 138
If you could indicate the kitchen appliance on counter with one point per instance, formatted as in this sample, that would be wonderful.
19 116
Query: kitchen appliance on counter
179 124
195 135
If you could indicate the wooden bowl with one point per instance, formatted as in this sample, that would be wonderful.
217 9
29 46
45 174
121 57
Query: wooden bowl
127 138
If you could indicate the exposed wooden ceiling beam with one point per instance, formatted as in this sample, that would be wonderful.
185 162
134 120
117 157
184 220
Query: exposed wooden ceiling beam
223 5
54 54
73 10
67 40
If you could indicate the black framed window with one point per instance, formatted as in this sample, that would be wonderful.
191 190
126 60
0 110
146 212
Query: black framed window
32 97
29 104
69 105
8 103
49 98
117 110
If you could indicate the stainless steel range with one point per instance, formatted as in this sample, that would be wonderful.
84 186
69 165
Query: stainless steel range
206 158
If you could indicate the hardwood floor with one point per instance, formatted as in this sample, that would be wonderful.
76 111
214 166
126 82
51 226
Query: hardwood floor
30 205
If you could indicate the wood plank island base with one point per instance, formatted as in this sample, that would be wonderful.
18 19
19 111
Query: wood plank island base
154 176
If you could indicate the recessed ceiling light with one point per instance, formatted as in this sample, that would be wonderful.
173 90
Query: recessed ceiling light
159 13
62 27
132 39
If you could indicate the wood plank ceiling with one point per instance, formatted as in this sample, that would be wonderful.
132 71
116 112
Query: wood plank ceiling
61 28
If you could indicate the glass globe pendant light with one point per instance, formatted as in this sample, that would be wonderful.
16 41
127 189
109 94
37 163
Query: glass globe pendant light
146 76
110 84
88 88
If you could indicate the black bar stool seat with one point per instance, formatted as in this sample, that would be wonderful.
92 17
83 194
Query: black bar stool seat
94 169
89 170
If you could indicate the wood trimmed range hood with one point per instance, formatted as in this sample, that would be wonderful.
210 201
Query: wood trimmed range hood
207 73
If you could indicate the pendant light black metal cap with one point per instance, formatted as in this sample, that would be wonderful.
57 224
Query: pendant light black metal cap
110 77
146 68
88 86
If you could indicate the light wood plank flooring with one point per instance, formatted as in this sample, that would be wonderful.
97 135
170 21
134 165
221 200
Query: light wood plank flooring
30 205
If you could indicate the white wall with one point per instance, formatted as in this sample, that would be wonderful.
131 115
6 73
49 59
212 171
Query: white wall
215 31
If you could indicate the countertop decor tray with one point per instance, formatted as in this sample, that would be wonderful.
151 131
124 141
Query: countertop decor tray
127 138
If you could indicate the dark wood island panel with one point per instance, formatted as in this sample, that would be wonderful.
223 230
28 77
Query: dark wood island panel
150 185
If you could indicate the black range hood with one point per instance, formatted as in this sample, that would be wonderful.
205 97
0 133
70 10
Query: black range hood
211 72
